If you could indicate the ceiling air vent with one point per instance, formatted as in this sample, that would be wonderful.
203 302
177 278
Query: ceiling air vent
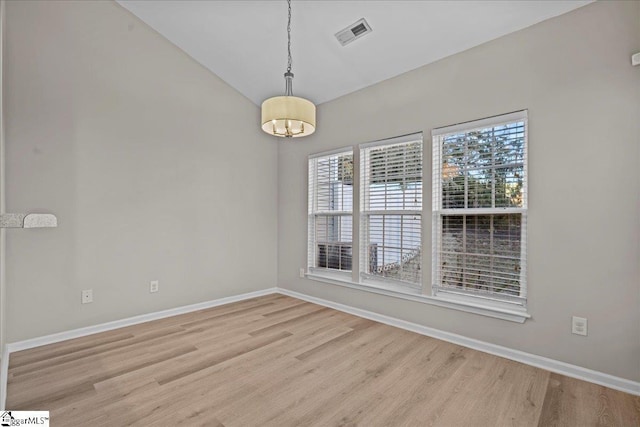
353 32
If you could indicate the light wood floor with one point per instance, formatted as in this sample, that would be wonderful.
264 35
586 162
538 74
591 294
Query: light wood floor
279 361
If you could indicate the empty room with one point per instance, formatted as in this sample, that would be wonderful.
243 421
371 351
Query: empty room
320 213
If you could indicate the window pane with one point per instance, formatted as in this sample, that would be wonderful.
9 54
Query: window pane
484 168
335 183
333 241
392 177
391 181
394 247
482 253
330 212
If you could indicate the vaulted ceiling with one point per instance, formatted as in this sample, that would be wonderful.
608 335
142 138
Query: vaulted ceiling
244 42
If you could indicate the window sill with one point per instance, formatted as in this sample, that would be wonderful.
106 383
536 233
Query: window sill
511 314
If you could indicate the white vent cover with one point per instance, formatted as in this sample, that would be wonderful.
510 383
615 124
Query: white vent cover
353 32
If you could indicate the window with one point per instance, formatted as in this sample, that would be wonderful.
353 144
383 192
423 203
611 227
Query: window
330 212
479 217
391 210
480 209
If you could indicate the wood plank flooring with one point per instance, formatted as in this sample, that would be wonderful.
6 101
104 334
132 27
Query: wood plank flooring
279 361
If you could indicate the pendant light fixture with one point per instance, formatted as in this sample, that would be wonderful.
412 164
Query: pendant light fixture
288 116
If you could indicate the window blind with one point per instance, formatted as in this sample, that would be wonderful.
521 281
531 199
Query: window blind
480 209
391 210
330 227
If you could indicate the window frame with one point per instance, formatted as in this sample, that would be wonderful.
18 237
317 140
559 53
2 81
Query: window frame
314 213
365 213
488 299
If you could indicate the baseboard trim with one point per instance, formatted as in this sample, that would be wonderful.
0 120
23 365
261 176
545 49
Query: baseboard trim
90 330
556 366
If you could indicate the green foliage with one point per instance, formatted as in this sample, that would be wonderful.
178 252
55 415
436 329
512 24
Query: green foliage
487 165
483 169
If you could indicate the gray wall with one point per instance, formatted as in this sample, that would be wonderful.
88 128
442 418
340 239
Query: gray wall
573 74
155 168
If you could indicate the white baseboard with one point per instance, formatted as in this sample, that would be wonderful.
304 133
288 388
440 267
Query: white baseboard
90 330
563 368
617 383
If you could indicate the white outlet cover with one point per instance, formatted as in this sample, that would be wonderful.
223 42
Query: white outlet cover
579 326
87 296
154 286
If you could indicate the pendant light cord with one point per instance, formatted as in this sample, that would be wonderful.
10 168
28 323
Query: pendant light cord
288 76
289 39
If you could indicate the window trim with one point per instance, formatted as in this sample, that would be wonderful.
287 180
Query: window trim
513 314
355 280
500 119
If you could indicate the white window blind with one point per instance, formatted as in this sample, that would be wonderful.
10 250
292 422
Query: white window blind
480 209
391 210
330 228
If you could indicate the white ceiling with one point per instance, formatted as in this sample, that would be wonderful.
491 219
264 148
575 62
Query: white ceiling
244 42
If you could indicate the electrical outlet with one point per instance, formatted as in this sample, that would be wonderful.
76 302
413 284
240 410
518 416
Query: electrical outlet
154 286
579 326
302 273
87 296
